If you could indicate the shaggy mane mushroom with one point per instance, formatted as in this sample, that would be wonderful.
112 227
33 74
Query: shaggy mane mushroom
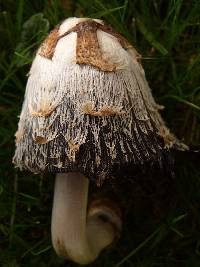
87 109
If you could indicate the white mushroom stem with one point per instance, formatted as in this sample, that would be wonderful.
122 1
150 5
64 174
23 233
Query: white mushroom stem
77 234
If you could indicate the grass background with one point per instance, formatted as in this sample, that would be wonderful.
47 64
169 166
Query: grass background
162 219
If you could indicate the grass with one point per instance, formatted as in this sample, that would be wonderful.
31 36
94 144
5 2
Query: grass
161 220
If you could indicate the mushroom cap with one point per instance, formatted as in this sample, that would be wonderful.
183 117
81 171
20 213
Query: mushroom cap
88 106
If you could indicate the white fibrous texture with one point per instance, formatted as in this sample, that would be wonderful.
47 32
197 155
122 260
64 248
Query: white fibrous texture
89 116
80 118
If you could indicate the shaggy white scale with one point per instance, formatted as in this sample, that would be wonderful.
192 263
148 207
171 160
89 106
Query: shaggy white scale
76 116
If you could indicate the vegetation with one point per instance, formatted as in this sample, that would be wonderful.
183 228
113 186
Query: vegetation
162 222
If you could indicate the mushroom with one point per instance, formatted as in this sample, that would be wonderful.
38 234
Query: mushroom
87 110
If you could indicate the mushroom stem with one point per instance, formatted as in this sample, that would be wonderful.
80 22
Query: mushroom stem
78 234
